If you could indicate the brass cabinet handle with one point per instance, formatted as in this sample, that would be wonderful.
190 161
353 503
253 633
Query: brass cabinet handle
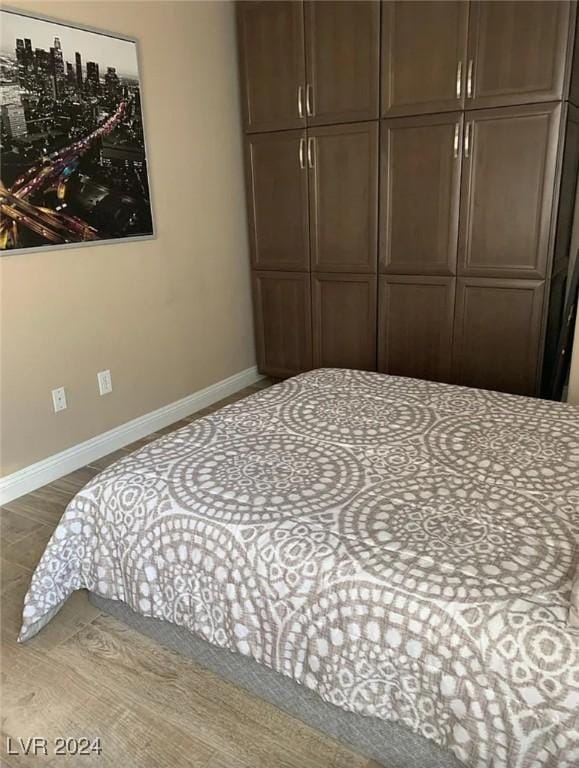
311 156
300 101
469 79
302 154
456 139
459 80
467 139
309 100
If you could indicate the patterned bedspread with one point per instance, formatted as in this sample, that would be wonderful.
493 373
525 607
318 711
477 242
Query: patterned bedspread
401 547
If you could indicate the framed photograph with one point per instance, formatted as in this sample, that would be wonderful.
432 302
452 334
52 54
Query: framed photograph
73 155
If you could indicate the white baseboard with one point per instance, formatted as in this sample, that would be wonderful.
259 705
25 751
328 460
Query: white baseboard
60 464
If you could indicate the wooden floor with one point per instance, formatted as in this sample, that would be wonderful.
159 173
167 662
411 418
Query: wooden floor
88 675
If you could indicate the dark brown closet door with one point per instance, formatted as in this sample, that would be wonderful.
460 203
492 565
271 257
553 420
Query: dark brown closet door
415 326
344 321
497 334
343 171
272 64
420 191
508 178
517 52
283 324
343 61
423 57
277 193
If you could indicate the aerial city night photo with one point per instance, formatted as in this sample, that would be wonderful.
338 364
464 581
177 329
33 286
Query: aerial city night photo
73 165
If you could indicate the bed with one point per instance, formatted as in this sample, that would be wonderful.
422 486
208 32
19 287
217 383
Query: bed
402 549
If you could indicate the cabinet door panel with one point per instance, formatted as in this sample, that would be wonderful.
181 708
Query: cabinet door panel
344 321
272 64
282 303
518 51
423 57
420 189
343 62
415 326
507 190
497 334
343 193
277 193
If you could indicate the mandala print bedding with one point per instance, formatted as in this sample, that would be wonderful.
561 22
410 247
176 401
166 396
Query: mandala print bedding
403 548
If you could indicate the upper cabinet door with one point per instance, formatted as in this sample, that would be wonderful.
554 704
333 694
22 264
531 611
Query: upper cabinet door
343 61
517 52
423 57
508 178
419 193
277 195
272 64
343 170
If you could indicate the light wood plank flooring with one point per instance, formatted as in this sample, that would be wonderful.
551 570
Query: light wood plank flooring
88 675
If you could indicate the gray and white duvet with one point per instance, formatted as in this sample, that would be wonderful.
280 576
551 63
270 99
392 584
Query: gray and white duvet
401 547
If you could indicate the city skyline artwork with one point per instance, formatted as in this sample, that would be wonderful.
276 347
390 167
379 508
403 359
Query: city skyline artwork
73 161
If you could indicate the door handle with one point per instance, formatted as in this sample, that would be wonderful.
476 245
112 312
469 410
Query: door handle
300 100
469 79
459 80
302 154
467 139
311 156
456 139
309 100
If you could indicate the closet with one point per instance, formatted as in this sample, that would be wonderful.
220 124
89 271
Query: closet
411 172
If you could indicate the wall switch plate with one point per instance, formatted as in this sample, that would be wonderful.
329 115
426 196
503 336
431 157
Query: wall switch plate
105 382
59 399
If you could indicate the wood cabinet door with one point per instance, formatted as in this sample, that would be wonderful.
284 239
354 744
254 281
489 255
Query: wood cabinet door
343 61
283 322
508 179
423 56
497 331
277 195
344 321
343 194
272 64
419 194
415 326
517 52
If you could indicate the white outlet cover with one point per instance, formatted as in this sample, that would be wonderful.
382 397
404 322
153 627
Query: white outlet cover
105 382
59 399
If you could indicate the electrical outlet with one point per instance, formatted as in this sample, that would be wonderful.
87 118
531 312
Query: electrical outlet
59 399
105 382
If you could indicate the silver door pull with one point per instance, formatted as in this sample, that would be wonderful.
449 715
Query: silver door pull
300 100
469 79
459 79
456 138
302 154
309 100
467 138
311 152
